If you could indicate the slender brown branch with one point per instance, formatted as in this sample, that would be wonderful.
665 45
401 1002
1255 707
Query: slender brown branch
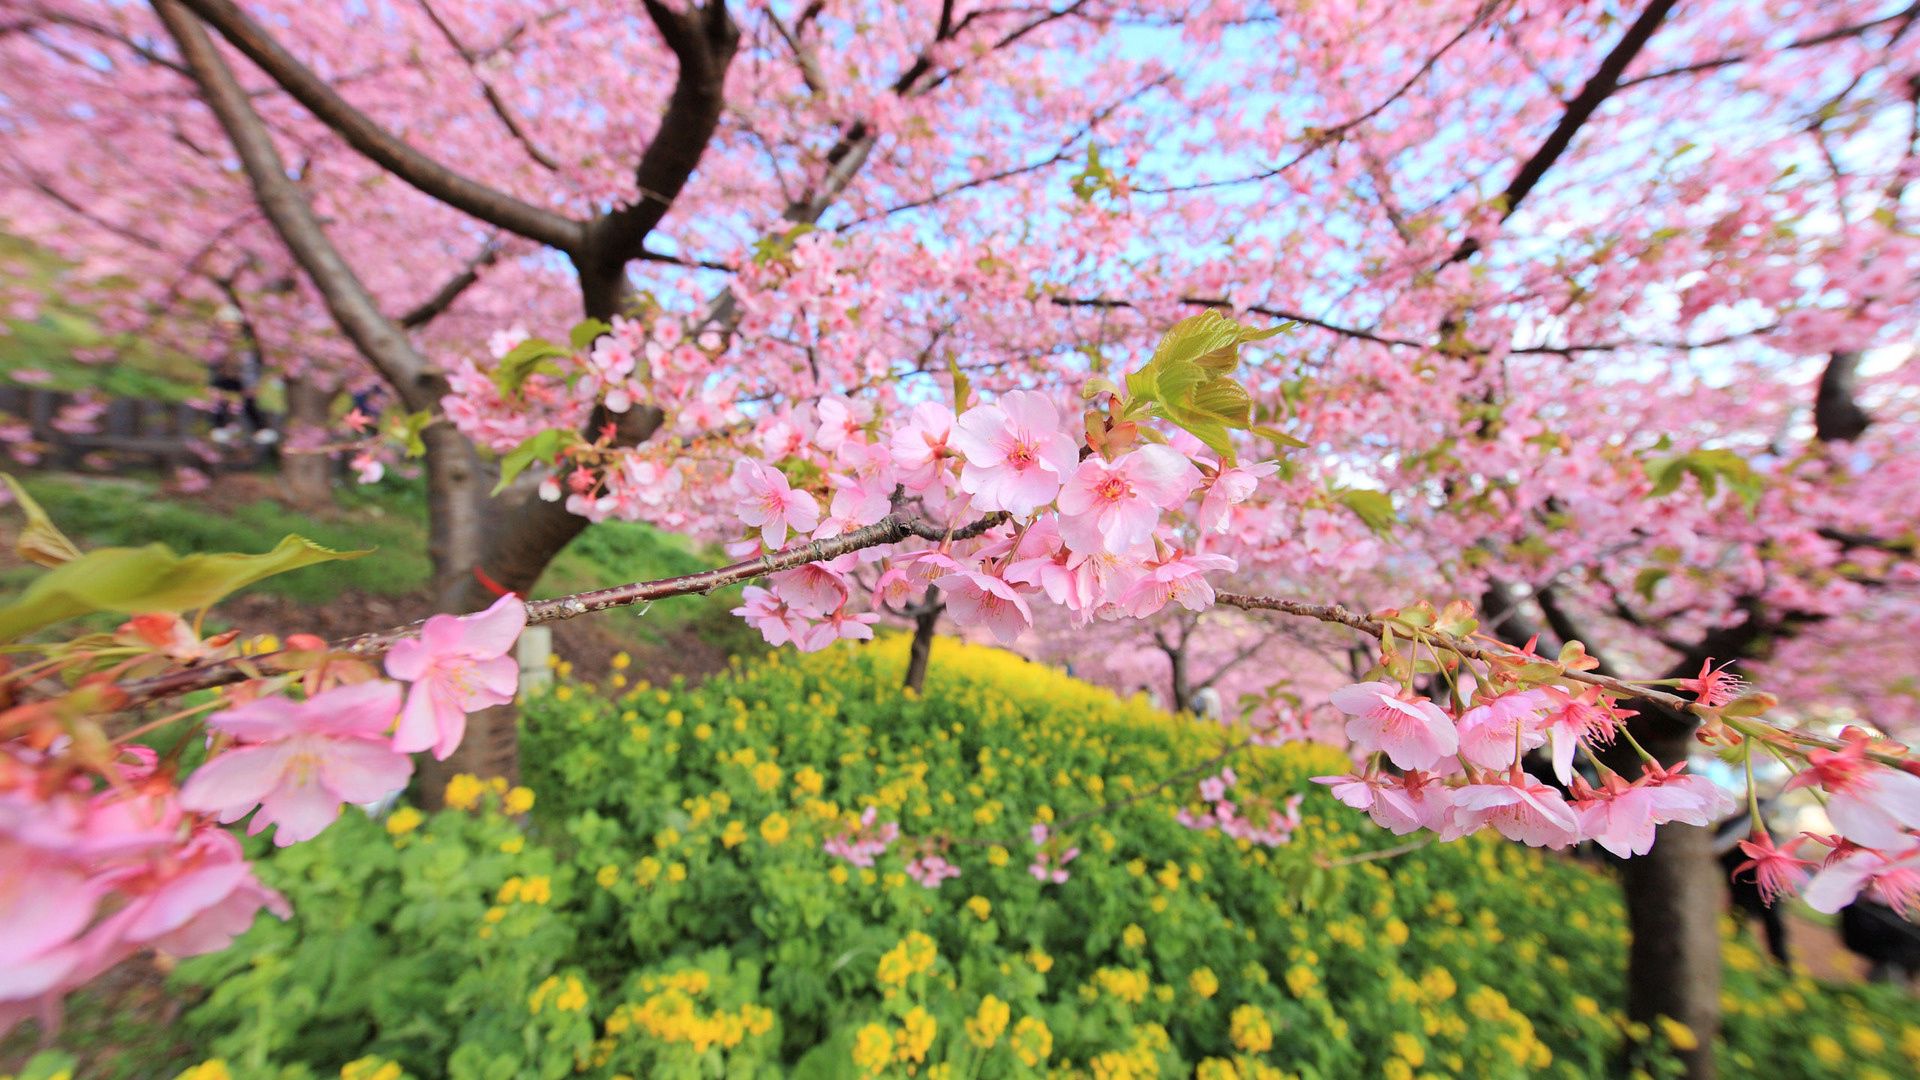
508 118
434 306
888 530
1827 38
381 146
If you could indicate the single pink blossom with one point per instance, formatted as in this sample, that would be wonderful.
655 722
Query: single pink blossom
976 599
457 665
1114 506
1519 808
1869 803
1775 869
1230 487
298 761
1892 876
767 613
1492 732
1180 579
768 503
1016 454
1414 734
920 444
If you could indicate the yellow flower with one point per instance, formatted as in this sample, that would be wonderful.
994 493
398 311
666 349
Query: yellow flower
1395 1069
766 776
1040 961
917 1030
404 820
1250 1030
1396 932
214 1069
1133 937
621 660
513 845
838 875
1204 982
986 1024
998 856
1678 1034
1827 1049
464 791
1031 1041
519 800
734 835
981 907
1409 1048
775 828
371 1068
810 781
536 890
676 872
873 1049
607 876
509 891
1865 1039
1301 980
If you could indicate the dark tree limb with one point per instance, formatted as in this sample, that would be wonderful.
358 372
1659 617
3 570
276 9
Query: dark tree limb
436 305
379 145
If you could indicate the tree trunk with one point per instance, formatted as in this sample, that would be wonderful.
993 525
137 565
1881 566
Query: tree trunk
1182 683
308 476
1674 898
925 618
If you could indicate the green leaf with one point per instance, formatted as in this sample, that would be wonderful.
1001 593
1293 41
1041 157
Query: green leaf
1281 438
531 357
540 446
962 386
40 542
1648 579
1226 401
409 429
1373 507
588 331
132 581
1210 340
1098 385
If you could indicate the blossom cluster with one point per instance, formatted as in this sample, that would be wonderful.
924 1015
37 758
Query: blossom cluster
1454 774
107 855
1107 518
1276 825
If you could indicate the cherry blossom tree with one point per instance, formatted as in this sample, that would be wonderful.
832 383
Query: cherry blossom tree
1600 319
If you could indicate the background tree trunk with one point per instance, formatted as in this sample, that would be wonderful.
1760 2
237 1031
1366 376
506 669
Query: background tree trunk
308 476
925 618
1674 898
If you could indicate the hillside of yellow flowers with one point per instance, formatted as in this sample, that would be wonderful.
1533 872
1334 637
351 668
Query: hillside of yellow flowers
655 900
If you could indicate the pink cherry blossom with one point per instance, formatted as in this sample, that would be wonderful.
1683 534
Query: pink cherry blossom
1179 579
1491 733
1869 803
976 599
931 870
768 503
1893 877
920 444
1114 506
1519 808
458 665
298 761
1775 870
778 623
1230 487
1414 734
1016 454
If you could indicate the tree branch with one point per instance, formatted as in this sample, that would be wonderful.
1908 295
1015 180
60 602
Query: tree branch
384 345
434 306
1604 82
378 144
888 530
508 118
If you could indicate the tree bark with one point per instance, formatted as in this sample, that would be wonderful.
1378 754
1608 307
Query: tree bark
1674 898
308 476
925 618
1181 680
